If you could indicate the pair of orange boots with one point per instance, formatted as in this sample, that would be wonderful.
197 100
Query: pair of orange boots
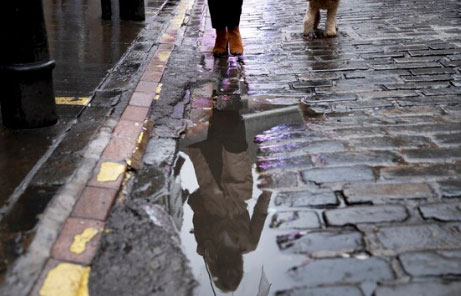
225 37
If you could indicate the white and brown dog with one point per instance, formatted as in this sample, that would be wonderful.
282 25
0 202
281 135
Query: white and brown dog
312 18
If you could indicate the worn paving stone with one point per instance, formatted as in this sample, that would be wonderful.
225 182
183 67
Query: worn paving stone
306 199
337 271
378 193
322 243
432 155
338 174
322 291
421 289
449 139
420 264
274 181
366 214
94 203
336 159
295 220
451 188
420 237
441 211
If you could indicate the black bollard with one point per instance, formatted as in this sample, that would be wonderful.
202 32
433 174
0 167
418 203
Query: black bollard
106 8
132 10
27 96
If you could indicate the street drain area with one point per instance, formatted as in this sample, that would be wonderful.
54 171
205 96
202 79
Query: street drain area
226 232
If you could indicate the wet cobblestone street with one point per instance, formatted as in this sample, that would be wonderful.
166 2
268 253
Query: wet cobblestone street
366 192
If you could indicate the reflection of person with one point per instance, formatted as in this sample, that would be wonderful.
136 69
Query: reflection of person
222 225
225 18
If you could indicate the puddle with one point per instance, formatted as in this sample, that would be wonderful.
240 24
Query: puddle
225 231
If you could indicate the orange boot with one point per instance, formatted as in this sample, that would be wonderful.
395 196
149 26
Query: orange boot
235 41
220 46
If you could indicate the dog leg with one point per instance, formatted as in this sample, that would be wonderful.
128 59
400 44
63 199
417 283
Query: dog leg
309 19
330 25
317 20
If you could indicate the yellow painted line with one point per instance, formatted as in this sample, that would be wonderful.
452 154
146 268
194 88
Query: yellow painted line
66 279
80 240
163 56
158 89
141 135
80 101
110 171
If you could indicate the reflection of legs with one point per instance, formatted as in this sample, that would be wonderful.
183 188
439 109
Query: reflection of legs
317 20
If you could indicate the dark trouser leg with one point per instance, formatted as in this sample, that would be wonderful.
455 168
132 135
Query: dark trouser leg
225 13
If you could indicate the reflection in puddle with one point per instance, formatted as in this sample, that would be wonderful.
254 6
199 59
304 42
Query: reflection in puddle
223 227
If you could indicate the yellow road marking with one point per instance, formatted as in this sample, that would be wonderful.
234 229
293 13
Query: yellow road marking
80 101
110 171
66 279
80 240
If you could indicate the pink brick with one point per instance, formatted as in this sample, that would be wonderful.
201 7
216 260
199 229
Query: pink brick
95 203
147 87
135 113
109 184
72 227
142 99
129 130
119 149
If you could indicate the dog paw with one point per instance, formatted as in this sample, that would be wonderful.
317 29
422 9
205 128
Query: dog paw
331 34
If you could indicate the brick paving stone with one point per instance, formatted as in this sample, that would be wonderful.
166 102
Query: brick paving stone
377 193
146 87
106 184
414 173
322 291
72 227
420 264
442 211
135 113
366 214
322 243
94 203
306 199
295 220
421 289
290 162
142 99
128 130
119 149
338 174
337 271
451 188
386 143
420 237
449 139
338 159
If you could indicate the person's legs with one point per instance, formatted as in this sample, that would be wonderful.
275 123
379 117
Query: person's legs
225 18
232 23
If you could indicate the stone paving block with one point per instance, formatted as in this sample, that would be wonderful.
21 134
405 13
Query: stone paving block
94 203
387 142
273 181
321 243
338 174
135 113
337 271
366 214
119 149
50 264
283 162
306 199
420 237
448 139
307 147
82 248
450 188
416 173
441 211
432 155
322 291
377 193
295 220
421 289
142 99
420 264
372 158
129 130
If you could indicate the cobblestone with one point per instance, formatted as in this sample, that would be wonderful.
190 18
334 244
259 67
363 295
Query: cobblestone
421 289
362 214
323 291
295 220
442 211
381 193
430 264
451 188
338 174
337 271
306 199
